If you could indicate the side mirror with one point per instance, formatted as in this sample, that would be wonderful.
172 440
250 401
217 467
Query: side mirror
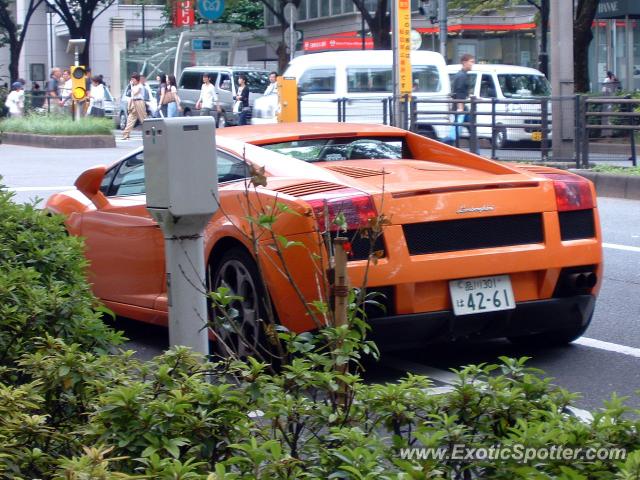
89 182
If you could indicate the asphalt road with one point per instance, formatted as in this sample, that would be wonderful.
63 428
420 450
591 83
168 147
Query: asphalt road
604 361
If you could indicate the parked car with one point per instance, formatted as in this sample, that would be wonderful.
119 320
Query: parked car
366 80
225 81
507 82
152 104
472 248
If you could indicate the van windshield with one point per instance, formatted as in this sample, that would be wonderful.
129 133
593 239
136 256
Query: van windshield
348 148
256 81
523 85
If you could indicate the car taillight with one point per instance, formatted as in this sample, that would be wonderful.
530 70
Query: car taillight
357 209
572 192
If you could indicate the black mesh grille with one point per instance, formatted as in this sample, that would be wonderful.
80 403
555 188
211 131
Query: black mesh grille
577 224
473 233
361 247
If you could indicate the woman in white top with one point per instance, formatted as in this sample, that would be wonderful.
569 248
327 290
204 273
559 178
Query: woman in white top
96 97
208 97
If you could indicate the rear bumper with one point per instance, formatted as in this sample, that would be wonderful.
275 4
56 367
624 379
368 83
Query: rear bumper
415 330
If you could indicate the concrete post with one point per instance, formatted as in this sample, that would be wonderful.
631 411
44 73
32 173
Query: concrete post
118 40
562 84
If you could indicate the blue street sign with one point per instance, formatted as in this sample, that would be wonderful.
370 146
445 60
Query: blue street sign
211 9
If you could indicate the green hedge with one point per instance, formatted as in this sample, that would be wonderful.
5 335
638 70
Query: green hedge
58 125
72 407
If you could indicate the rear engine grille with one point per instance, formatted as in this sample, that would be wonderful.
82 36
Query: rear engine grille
473 233
308 188
356 172
577 224
361 247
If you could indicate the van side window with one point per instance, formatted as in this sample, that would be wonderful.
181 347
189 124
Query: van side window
319 80
487 87
369 79
191 80
425 78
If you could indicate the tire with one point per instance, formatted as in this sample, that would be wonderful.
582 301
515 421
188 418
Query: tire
500 138
186 112
554 337
237 271
123 121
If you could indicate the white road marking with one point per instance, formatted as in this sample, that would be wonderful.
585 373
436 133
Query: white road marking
44 188
608 346
615 246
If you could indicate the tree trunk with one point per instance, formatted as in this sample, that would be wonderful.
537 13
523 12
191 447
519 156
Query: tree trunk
380 31
543 57
582 36
14 60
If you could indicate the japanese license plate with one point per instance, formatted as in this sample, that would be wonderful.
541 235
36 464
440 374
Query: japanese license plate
481 295
536 136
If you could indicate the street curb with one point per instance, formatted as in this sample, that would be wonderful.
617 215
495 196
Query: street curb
612 185
59 141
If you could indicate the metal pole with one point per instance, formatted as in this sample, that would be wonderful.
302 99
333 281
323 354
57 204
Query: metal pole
143 30
362 30
74 104
51 39
292 41
395 38
442 19
473 130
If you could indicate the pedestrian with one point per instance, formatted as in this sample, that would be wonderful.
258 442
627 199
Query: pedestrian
136 111
610 84
15 100
460 91
96 97
208 97
53 89
37 96
272 88
241 104
148 97
65 91
162 89
171 97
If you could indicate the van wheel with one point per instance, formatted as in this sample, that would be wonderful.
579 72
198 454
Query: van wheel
122 123
501 138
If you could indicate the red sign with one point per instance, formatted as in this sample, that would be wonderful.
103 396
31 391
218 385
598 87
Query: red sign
184 15
337 43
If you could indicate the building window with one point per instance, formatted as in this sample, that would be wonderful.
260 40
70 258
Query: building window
324 8
336 7
313 9
302 10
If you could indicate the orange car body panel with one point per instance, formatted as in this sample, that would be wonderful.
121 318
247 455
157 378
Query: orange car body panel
126 251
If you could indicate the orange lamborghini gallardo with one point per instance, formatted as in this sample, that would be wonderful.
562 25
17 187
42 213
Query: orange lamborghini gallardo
471 248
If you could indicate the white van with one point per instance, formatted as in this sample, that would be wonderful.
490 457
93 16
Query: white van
507 82
364 77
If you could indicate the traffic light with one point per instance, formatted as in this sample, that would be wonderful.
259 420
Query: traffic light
78 82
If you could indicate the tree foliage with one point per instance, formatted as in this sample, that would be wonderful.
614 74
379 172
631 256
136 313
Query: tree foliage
79 16
246 13
13 34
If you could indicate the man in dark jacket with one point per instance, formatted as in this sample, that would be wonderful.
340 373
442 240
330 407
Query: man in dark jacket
460 90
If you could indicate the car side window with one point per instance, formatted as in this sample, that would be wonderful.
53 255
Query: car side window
487 87
225 81
129 179
319 80
105 185
191 80
231 168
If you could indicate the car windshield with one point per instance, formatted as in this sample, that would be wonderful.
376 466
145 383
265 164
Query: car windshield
524 85
256 81
348 148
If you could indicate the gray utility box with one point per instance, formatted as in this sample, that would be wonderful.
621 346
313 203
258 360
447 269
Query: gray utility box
180 165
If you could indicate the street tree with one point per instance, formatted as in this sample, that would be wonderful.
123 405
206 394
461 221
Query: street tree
13 33
79 16
246 13
276 7
376 16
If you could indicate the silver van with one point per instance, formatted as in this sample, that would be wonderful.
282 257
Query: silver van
225 80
